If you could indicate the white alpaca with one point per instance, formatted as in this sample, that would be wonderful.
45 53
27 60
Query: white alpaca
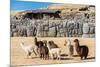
54 52
29 49
69 46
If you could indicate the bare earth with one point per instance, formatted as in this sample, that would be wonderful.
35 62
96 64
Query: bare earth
18 56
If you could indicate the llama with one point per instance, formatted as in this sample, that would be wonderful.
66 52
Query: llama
81 50
54 52
43 51
69 47
28 49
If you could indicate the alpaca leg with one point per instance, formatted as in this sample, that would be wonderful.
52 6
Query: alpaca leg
72 50
43 56
27 55
47 57
59 57
35 53
52 56
85 57
30 54
81 57
86 54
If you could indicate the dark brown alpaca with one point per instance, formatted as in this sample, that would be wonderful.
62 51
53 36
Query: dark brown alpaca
43 51
81 50
38 43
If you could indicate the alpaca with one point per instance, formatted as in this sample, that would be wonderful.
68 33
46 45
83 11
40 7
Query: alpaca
43 51
81 50
28 49
38 44
69 47
52 44
54 52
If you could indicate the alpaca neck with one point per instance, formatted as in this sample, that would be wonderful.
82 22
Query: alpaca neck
48 46
69 42
35 42
22 45
77 47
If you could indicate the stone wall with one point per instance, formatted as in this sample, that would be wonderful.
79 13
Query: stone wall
76 26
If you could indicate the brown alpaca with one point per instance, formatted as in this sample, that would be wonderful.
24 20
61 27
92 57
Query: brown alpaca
52 44
38 43
81 50
43 51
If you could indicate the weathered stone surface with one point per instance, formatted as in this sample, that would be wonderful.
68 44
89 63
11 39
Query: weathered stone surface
70 26
85 35
92 35
85 28
52 32
92 30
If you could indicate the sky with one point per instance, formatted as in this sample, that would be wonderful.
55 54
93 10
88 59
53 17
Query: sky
25 5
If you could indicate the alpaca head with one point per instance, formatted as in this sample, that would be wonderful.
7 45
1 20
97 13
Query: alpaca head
45 42
22 43
68 42
76 41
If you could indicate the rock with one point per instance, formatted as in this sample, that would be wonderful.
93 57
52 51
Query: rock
76 26
58 34
85 28
92 30
65 24
52 32
85 35
45 33
92 35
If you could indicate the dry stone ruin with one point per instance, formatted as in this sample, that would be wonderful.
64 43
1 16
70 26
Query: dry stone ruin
70 24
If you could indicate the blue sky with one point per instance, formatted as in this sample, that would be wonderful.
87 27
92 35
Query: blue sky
25 5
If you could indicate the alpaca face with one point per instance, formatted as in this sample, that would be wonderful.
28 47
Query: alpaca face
45 42
22 44
76 43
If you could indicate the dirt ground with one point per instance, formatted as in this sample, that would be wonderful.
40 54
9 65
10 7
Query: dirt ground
18 56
